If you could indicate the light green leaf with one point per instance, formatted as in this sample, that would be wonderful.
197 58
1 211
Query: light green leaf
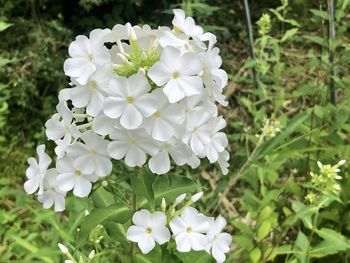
4 25
264 230
333 242
289 33
102 198
195 257
255 255
118 213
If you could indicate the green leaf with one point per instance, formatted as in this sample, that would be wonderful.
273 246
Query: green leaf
333 242
289 33
316 39
116 231
195 257
118 213
142 186
4 25
255 255
302 246
102 198
304 213
264 230
320 13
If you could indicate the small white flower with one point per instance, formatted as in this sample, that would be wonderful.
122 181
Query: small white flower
189 230
186 24
91 156
103 125
129 99
219 243
148 229
52 195
92 94
70 178
133 145
86 55
37 171
162 125
178 73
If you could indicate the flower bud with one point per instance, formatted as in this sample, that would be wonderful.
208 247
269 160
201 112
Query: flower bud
196 197
131 32
341 162
92 254
179 199
143 56
163 205
104 183
68 261
63 248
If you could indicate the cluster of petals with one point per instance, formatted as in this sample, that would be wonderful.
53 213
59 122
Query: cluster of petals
149 96
191 231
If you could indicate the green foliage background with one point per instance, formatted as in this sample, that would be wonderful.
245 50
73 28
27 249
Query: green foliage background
269 178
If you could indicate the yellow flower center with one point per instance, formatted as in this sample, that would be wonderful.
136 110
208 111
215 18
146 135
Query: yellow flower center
189 229
77 173
176 75
93 85
130 100
149 230
156 114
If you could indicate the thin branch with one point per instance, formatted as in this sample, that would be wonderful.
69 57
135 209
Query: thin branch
332 70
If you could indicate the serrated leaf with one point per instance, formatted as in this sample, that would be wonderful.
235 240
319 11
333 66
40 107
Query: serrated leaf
333 242
118 213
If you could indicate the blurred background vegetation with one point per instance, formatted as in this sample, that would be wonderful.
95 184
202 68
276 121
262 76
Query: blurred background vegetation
281 121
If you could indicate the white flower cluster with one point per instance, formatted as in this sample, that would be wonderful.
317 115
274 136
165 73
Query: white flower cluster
191 230
148 96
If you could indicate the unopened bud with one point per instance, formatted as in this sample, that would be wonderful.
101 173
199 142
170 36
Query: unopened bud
63 248
143 55
163 205
68 261
131 32
104 183
341 162
123 58
92 254
196 197
179 199
86 212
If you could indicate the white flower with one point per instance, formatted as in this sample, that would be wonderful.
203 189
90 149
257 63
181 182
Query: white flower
186 24
218 140
179 152
218 242
70 178
86 55
198 131
149 229
162 125
91 156
189 230
178 73
129 100
92 94
223 161
37 171
133 145
52 195
103 125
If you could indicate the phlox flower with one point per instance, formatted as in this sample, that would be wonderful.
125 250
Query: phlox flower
129 99
218 242
178 73
69 178
189 230
162 125
37 171
86 55
90 156
51 194
133 145
92 94
186 24
148 229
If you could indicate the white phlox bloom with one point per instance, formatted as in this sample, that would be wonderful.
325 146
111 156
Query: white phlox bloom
189 230
178 73
129 99
52 195
86 55
177 150
91 156
223 161
218 242
62 128
92 94
37 171
69 178
148 229
164 123
186 24
134 145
